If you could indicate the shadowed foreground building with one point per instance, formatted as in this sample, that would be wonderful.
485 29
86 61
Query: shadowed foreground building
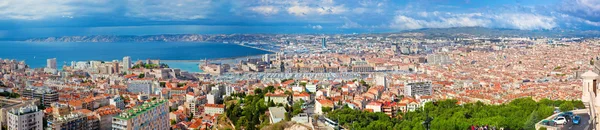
71 121
25 118
149 116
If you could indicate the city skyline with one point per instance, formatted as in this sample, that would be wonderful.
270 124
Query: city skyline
300 64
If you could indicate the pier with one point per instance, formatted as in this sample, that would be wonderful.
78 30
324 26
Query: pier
272 51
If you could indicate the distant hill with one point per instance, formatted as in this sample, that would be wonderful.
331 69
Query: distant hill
496 32
419 33
123 38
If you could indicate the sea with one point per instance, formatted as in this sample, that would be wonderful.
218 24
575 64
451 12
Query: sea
183 55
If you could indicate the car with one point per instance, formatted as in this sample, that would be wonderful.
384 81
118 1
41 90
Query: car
556 111
576 120
560 120
548 122
568 114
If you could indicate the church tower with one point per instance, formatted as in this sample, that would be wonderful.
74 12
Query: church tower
589 85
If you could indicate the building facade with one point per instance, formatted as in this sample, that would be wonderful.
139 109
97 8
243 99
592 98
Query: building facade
140 86
25 118
47 95
418 88
152 115
72 121
117 102
51 63
126 63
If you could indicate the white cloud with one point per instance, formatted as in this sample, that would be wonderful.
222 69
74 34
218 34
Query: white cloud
299 10
302 7
146 9
35 9
359 10
332 9
349 24
169 10
403 22
302 10
591 7
317 27
265 10
524 21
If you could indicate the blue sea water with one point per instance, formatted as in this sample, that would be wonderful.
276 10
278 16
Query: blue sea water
35 53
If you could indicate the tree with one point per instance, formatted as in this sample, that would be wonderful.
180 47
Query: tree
270 89
533 118
326 109
271 103
141 76
288 116
447 114
566 106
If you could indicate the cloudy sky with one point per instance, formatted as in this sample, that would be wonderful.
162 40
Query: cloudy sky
40 18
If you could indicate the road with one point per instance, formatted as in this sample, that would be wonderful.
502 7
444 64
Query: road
584 123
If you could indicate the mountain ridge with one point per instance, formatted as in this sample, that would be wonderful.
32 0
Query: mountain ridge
422 33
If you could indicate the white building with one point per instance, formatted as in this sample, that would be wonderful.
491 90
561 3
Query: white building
298 88
140 86
380 80
51 63
214 97
276 98
418 88
212 109
126 63
319 104
375 106
25 118
117 102
311 88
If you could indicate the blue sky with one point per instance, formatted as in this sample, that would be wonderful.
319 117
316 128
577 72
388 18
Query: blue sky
40 18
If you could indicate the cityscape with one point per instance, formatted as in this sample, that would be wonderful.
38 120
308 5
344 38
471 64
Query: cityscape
459 71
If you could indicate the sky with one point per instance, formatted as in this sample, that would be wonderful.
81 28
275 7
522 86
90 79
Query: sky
43 18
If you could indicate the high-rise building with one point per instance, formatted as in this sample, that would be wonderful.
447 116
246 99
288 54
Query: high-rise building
266 58
214 97
380 80
115 67
152 115
47 95
140 86
418 88
7 104
51 63
324 43
25 118
126 63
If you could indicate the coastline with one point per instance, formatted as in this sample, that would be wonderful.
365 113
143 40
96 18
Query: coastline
227 60
195 53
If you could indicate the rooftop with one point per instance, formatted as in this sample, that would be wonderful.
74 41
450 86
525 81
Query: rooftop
277 112
136 111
